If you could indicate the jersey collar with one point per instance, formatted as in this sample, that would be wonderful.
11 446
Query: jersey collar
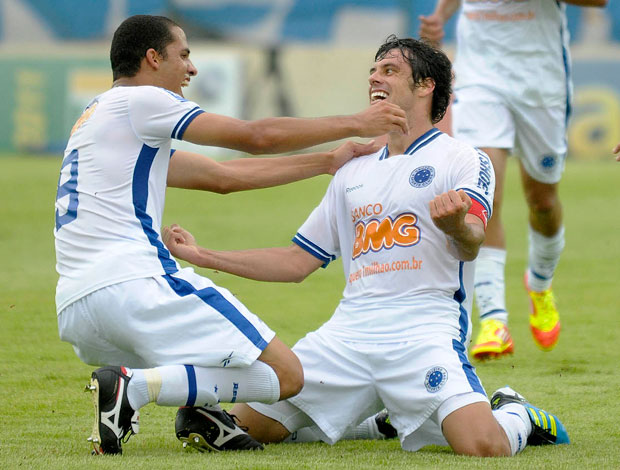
417 144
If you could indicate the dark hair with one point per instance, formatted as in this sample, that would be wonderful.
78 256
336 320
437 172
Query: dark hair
426 61
136 35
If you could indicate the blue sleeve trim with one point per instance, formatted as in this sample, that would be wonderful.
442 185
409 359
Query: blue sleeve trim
174 131
187 123
478 197
313 249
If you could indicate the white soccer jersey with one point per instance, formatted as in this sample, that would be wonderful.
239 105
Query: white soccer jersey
112 187
400 278
516 47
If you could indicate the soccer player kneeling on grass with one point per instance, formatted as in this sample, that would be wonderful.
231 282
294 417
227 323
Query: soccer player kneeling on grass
166 334
407 221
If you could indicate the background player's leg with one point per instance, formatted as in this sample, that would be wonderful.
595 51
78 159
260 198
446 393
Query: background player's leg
493 337
545 208
546 242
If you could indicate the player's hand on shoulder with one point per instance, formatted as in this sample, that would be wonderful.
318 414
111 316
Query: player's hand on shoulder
345 152
380 118
448 211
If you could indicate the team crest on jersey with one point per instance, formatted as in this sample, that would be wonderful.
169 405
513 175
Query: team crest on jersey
436 377
422 176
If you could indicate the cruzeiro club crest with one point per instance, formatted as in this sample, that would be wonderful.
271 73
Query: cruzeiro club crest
436 377
547 162
422 176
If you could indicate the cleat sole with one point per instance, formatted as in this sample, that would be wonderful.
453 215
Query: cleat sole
95 437
196 441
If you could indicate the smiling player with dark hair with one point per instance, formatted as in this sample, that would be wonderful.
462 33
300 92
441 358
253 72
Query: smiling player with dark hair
407 221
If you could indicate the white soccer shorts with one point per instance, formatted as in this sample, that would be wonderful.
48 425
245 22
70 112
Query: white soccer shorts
181 318
537 135
419 382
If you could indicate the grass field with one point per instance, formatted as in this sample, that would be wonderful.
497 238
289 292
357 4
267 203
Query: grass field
45 417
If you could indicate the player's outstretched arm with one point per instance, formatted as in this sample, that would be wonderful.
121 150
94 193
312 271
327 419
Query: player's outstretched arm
465 232
280 264
432 26
194 171
283 134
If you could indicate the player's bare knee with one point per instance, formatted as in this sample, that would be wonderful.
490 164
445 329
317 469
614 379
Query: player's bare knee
541 200
287 367
291 379
543 206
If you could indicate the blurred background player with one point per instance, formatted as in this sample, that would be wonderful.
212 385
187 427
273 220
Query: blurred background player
513 94
407 220
122 300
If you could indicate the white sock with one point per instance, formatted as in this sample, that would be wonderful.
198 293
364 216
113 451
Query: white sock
544 255
302 435
137 390
489 284
258 382
367 429
203 386
515 421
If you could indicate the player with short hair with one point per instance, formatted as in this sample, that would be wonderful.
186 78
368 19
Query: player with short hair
513 93
407 221
166 334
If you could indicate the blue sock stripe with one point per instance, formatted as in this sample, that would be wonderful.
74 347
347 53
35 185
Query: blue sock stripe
539 276
191 382
491 312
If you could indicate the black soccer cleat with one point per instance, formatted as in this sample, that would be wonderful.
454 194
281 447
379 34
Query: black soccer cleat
546 428
211 430
382 419
115 419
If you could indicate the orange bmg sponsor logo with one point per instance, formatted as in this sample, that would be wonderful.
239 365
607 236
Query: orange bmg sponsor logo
377 235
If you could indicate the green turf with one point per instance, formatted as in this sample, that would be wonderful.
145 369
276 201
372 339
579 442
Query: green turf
45 417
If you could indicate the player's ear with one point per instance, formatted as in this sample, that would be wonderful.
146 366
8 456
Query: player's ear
153 59
426 87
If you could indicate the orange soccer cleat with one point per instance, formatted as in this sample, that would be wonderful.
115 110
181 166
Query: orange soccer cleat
544 319
493 340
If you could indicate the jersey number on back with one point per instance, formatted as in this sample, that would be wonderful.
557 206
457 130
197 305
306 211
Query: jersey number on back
68 188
